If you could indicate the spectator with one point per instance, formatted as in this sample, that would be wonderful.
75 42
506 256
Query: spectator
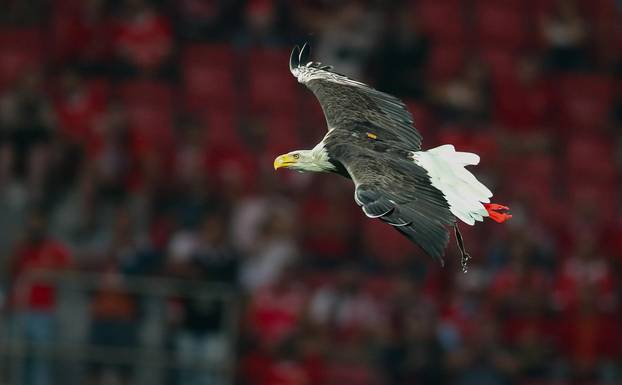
84 223
400 59
466 98
81 36
586 270
524 104
590 338
108 154
346 307
114 323
482 359
275 311
34 296
114 309
142 40
200 338
263 23
565 34
273 251
349 31
27 128
78 107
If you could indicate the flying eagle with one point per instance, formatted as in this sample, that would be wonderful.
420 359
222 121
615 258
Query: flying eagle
371 140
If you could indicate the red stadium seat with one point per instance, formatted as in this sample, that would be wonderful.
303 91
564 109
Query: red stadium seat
20 51
442 21
454 134
222 128
313 126
385 245
149 106
267 59
532 177
604 198
151 128
270 85
208 77
500 25
147 92
208 87
380 287
502 64
423 119
600 10
211 55
584 101
282 133
591 158
446 61
540 8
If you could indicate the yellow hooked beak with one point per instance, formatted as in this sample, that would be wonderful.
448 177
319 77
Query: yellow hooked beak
285 160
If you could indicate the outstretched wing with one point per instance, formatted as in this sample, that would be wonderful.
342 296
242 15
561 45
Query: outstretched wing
394 189
344 100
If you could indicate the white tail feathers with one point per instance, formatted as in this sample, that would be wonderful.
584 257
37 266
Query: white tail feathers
464 193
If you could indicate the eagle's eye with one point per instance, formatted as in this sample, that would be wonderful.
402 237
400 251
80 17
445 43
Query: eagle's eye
296 156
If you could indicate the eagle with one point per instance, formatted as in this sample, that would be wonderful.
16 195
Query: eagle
372 140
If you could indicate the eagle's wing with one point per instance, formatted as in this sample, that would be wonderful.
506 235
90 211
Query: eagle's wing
390 186
344 101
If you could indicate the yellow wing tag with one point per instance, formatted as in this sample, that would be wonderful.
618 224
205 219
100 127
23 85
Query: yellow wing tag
371 136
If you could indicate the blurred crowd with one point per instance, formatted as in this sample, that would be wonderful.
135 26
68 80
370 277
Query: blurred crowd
137 139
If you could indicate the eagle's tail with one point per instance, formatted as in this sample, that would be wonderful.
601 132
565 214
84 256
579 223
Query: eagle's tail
468 198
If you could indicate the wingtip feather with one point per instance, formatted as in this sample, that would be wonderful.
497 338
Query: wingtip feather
294 58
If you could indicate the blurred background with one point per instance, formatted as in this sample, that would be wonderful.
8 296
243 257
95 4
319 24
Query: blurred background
145 238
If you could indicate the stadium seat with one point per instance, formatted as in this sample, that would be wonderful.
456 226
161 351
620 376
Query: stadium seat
533 176
208 77
584 101
500 25
600 10
313 126
282 133
352 373
149 108
502 64
77 117
151 128
442 21
208 87
222 128
270 85
146 92
601 154
423 119
445 62
379 287
480 141
20 51
385 245
211 55
454 134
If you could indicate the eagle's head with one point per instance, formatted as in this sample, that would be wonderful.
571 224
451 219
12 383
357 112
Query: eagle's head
304 160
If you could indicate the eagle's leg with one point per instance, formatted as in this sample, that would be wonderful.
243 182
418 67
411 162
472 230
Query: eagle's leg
464 256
